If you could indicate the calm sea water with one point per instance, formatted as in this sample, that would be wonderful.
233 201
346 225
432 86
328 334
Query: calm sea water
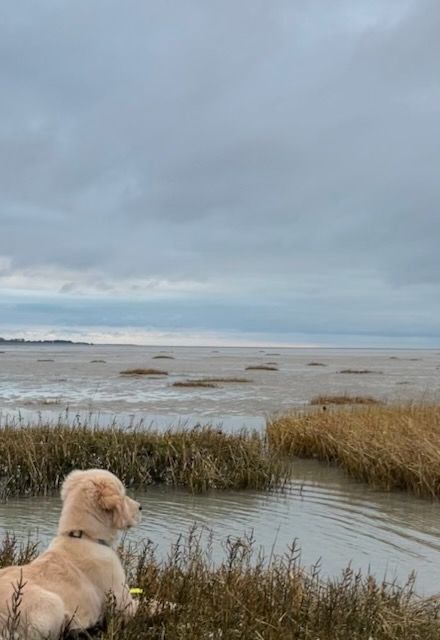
332 517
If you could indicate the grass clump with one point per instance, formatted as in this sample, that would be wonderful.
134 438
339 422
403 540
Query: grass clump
229 380
263 367
210 382
143 372
344 399
358 371
34 460
392 447
248 597
316 364
195 383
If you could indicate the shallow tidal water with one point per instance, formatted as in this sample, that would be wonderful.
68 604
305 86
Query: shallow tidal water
332 517
85 381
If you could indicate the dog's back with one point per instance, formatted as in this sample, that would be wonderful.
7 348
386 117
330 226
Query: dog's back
52 591
28 611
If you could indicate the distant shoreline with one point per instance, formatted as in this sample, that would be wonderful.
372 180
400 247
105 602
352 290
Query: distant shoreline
22 341
61 342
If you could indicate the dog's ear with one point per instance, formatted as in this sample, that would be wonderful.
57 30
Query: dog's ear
110 499
107 496
70 481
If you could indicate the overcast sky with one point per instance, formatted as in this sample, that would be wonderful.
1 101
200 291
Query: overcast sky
221 172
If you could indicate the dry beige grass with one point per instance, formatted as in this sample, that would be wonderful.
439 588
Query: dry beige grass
209 382
344 399
245 597
143 372
228 380
34 459
195 383
263 367
392 447
357 371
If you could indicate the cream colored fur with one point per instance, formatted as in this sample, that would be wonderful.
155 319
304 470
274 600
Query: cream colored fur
70 582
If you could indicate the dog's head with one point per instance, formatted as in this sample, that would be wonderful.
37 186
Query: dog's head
99 493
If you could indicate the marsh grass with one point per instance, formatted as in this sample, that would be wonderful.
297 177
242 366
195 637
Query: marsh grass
195 383
35 459
343 399
143 372
263 367
246 596
229 380
13 551
358 371
316 364
392 447
210 382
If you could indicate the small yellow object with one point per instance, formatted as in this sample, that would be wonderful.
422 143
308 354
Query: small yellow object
136 591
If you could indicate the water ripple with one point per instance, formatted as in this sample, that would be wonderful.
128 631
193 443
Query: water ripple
332 518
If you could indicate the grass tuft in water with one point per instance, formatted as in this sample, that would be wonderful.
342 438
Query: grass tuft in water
262 367
143 372
228 380
195 383
344 399
392 447
358 371
35 459
209 382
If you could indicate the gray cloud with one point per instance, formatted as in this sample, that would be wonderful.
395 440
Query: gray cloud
283 154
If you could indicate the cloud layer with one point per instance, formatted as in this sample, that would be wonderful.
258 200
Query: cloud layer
222 166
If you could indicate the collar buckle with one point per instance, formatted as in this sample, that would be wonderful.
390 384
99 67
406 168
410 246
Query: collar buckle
76 534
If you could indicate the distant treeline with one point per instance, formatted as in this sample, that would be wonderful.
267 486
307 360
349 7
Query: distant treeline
23 341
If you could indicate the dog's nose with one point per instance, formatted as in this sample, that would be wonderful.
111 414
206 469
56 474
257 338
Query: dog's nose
140 507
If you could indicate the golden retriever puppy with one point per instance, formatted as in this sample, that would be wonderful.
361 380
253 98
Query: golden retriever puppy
69 583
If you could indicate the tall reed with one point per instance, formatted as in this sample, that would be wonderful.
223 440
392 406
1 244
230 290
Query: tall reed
393 447
35 459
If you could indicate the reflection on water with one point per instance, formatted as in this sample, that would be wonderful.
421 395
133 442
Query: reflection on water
332 518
